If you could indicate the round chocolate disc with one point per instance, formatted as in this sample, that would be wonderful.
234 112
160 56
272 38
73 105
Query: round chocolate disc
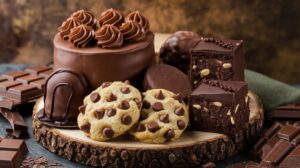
162 76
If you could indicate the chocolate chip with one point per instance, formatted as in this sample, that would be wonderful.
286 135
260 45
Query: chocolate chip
86 128
105 84
108 132
146 104
125 90
157 106
111 97
127 82
111 112
170 134
160 95
82 108
140 128
138 102
180 124
164 118
95 97
126 119
152 126
179 111
178 97
143 116
98 114
124 105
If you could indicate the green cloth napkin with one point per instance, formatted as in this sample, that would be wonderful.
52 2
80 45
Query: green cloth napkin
271 92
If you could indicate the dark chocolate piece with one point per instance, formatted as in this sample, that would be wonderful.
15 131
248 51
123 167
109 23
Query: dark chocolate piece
12 152
290 111
216 59
222 105
279 146
162 76
65 91
176 49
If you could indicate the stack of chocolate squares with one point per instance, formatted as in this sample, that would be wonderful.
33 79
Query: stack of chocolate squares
219 101
18 88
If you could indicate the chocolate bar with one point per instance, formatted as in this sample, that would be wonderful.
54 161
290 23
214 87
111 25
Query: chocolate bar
24 85
12 153
219 106
279 146
216 59
287 112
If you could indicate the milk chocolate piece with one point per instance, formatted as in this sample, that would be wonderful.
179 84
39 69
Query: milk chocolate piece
287 112
15 119
12 152
216 59
22 86
175 50
162 76
222 105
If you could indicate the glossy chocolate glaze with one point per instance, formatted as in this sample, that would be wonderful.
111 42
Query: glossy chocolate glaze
99 65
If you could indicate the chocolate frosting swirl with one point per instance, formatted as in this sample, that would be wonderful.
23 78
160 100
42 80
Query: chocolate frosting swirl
65 28
111 16
132 31
139 18
84 17
81 35
109 36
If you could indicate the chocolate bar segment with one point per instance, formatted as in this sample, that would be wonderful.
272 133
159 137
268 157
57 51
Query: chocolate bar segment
24 85
12 152
287 112
219 106
216 59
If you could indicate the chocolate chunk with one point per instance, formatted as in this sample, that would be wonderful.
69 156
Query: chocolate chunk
111 112
124 105
153 126
108 132
99 114
162 76
95 97
105 84
179 111
180 124
160 95
157 106
146 104
86 128
125 90
287 112
169 134
164 118
140 128
111 97
126 119
82 108
143 116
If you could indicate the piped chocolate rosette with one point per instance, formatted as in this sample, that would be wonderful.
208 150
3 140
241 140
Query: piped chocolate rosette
114 30
111 16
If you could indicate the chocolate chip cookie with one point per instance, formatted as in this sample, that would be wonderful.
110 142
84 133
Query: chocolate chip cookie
110 111
164 117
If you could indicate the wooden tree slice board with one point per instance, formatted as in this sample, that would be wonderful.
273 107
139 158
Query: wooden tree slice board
191 150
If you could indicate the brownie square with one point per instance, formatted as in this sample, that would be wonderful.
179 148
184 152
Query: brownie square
216 59
219 106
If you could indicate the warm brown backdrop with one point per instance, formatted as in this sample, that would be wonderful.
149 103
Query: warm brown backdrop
271 29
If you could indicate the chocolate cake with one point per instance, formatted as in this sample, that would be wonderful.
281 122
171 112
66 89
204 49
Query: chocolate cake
216 59
219 106
89 51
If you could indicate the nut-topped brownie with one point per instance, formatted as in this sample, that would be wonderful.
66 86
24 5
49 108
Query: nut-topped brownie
219 106
216 59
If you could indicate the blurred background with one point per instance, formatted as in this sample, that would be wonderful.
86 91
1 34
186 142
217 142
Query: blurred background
271 30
